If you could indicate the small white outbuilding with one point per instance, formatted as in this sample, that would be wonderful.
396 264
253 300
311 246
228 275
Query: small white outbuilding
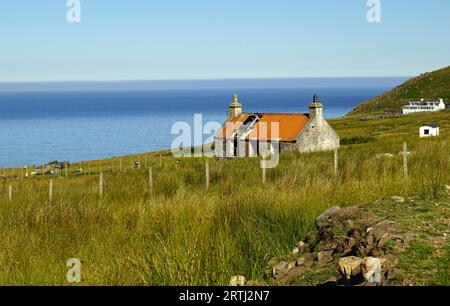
429 130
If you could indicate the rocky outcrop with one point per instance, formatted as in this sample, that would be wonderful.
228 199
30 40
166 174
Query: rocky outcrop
355 246
324 219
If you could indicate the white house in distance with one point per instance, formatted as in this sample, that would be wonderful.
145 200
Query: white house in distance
429 130
424 106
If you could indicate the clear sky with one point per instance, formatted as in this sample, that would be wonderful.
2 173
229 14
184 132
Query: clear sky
191 39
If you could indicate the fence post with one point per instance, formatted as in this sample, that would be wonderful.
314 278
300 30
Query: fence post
207 173
65 168
43 170
263 171
405 159
336 161
150 178
120 165
50 191
10 192
100 185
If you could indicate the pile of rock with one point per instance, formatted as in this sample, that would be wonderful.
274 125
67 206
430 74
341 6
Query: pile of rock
357 250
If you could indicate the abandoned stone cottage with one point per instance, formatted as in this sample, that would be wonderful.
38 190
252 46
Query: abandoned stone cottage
243 133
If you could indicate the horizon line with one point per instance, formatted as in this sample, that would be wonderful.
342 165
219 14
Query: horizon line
200 79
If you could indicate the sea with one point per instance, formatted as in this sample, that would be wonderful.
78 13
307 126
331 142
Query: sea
79 121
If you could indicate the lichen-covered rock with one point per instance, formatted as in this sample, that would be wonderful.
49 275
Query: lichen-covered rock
350 266
279 269
324 257
237 280
301 246
371 269
324 219
300 261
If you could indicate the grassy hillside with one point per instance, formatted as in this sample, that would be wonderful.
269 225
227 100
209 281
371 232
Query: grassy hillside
179 232
428 86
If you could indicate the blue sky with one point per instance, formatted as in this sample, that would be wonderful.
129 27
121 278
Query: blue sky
201 39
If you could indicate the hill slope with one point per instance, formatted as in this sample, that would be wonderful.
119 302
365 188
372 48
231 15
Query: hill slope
431 85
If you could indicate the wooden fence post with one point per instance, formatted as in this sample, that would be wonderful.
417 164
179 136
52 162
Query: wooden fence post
263 171
207 173
336 161
50 191
65 168
10 192
100 185
405 159
120 165
150 178
43 169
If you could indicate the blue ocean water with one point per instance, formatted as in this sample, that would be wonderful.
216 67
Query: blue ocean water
37 127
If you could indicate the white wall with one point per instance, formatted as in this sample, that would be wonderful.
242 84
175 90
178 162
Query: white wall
229 148
431 131
317 135
252 148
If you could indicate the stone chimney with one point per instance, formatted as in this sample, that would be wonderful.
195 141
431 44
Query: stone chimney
315 109
235 107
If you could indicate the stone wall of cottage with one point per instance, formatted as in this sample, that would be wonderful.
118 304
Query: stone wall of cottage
317 135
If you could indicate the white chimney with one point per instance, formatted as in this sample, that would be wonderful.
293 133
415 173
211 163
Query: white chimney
316 109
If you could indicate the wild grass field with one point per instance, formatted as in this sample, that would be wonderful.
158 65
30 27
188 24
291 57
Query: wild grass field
179 232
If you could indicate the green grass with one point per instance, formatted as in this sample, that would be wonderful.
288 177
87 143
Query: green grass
421 266
179 233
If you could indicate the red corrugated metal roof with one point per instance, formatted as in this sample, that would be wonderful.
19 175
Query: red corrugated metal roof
232 125
290 125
